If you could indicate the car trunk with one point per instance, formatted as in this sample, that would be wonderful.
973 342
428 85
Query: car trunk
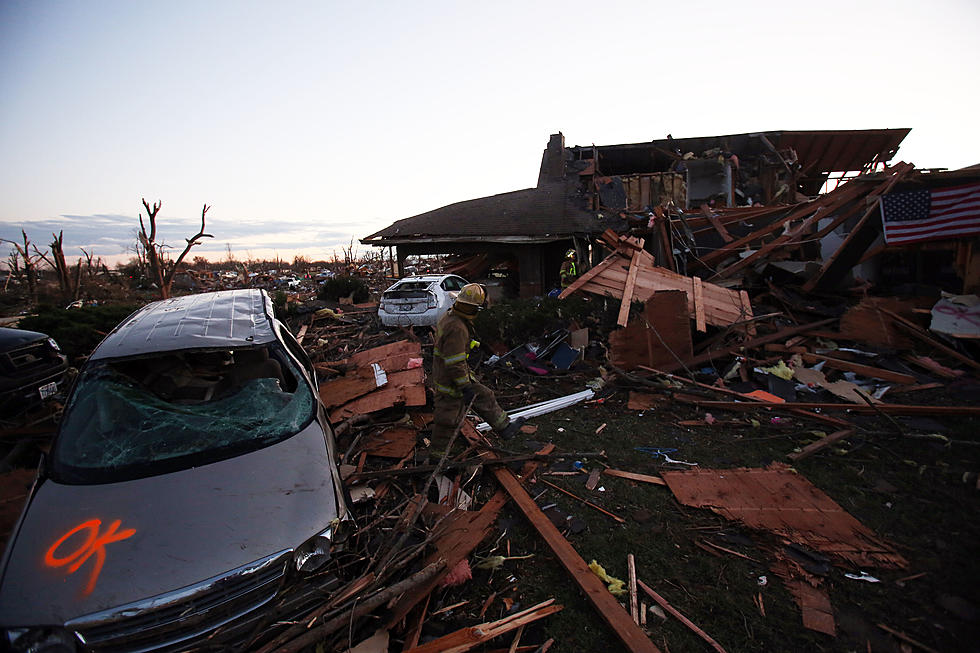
408 300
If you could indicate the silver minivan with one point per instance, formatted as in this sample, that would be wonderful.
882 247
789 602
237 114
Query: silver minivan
192 486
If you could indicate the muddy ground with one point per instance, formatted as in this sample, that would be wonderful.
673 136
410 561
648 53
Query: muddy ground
916 491
919 495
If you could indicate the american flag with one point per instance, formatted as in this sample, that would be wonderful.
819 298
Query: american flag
920 215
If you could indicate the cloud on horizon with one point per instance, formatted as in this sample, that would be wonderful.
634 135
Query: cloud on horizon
114 236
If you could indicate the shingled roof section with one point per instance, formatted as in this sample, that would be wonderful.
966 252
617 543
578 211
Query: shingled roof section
549 212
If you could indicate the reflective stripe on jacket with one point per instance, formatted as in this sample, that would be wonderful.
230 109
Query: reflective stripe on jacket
450 371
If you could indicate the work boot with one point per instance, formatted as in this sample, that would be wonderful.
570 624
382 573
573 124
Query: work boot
513 428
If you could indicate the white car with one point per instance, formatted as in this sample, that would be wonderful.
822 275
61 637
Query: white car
419 301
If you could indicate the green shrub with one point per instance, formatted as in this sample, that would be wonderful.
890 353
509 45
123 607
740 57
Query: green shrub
334 288
279 300
77 331
522 320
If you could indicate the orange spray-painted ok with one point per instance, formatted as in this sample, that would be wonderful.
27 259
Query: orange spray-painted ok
94 544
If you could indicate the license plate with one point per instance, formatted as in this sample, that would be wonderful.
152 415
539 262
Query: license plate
406 307
48 389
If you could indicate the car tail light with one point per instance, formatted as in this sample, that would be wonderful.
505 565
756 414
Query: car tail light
432 302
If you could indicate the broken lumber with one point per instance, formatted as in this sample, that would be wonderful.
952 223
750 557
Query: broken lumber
365 605
580 499
859 368
459 541
887 409
918 332
684 620
471 637
595 590
642 478
782 334
822 443
624 306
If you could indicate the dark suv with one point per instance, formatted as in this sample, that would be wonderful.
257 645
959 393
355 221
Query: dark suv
32 368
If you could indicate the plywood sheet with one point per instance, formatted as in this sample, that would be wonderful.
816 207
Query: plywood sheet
867 322
395 442
350 386
777 499
662 338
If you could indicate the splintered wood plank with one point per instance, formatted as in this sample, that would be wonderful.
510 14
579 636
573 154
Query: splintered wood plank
624 306
778 500
468 638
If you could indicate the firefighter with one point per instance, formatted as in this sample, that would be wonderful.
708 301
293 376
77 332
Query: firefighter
455 385
569 270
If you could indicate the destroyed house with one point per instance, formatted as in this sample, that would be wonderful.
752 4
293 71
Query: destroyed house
583 191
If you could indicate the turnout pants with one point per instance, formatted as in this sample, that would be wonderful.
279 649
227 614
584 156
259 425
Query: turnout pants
448 411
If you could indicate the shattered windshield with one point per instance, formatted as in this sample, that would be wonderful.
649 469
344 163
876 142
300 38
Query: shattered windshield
139 417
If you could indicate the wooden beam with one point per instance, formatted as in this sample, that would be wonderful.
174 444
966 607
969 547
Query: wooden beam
665 244
782 334
624 306
862 234
605 264
684 620
915 330
863 370
633 476
615 616
697 297
716 224
826 419
887 409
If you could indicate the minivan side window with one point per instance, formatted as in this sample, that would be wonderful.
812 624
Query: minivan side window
296 350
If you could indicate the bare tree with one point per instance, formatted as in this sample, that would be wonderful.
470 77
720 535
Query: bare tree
161 269
30 263
69 286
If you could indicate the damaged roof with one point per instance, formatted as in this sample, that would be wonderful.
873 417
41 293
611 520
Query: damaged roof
819 152
546 213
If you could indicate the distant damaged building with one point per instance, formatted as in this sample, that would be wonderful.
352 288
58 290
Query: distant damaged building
584 190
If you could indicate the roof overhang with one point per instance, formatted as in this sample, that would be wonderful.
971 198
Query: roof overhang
514 240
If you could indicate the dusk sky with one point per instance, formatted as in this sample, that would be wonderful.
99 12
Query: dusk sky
307 124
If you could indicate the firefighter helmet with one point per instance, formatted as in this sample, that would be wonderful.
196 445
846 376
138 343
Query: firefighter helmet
571 254
471 298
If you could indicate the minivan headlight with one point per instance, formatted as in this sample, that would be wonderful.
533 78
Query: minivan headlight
48 639
314 553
